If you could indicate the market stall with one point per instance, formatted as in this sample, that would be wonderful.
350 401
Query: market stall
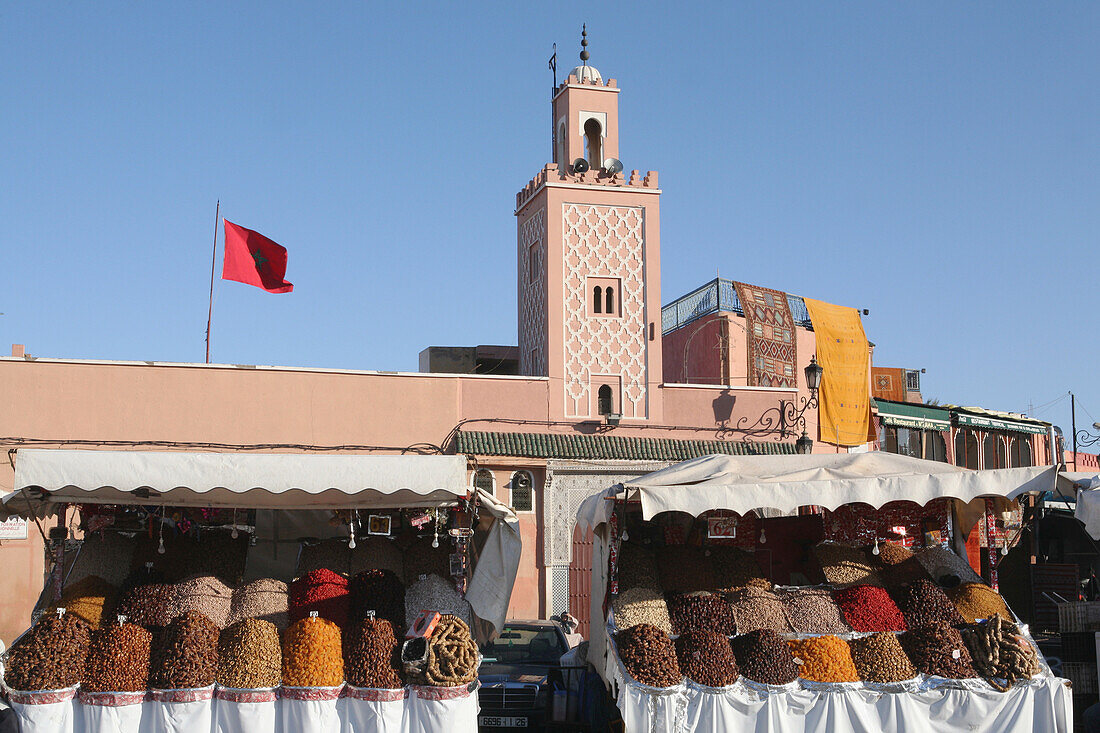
811 592
272 592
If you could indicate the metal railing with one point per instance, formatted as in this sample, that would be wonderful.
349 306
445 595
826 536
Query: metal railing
719 295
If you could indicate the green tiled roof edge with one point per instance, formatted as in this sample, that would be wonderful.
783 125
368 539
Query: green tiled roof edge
607 447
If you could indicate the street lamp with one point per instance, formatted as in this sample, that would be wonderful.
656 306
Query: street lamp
788 416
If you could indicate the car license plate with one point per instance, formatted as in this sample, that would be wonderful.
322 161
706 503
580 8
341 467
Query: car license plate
490 721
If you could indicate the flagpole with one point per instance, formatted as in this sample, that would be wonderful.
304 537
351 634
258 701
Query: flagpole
213 263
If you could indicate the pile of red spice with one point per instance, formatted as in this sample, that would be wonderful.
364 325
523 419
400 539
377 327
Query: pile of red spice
870 608
322 591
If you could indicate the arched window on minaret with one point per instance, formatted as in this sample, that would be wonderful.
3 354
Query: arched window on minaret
609 296
603 400
562 160
593 134
597 299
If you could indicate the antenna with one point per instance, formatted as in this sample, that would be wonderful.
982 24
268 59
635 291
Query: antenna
553 90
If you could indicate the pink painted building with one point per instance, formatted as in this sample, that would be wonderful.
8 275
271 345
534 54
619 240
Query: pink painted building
605 385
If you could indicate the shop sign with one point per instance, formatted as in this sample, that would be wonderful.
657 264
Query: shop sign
13 529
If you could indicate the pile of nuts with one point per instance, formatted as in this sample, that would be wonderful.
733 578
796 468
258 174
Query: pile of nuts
707 658
249 656
312 654
649 656
637 568
420 558
265 599
898 567
107 555
824 659
322 591
813 611
946 568
378 553
733 567
641 605
185 656
206 594
978 601
764 656
90 599
844 565
683 569
380 591
939 651
700 611
51 656
924 604
372 656
870 608
330 554
758 608
433 593
118 659
147 605
880 658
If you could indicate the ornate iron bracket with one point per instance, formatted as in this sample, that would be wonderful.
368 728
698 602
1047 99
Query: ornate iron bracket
786 418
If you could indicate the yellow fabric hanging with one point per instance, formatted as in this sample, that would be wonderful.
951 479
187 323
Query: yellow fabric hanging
845 396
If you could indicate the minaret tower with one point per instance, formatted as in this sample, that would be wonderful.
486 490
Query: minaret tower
589 263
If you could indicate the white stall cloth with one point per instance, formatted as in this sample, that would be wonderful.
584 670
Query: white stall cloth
114 712
311 709
54 711
442 709
375 710
181 711
246 711
1042 705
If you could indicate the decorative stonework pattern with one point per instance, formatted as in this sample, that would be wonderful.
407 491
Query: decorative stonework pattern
568 483
604 241
532 303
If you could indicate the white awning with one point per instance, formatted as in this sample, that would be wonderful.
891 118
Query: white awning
785 483
1087 509
268 480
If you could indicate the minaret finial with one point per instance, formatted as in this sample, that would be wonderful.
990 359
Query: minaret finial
584 43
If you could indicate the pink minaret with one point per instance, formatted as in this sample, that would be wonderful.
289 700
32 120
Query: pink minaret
589 264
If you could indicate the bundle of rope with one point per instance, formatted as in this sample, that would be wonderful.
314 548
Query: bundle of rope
447 658
1000 652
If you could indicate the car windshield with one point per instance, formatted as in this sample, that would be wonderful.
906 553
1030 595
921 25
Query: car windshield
525 645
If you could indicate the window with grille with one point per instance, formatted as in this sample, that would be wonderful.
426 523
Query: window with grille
912 380
523 492
483 479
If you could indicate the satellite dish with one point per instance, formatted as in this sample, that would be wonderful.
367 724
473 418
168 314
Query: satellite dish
580 165
613 166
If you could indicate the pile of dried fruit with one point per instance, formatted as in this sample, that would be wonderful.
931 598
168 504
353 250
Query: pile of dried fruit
733 567
420 558
108 556
813 611
312 654
683 569
331 555
249 656
1000 652
147 605
870 608
844 565
206 594
372 655
924 604
641 605
824 659
898 567
649 656
265 599
185 656
764 656
118 659
758 608
380 591
880 658
940 651
378 553
322 591
978 601
707 658
51 656
700 611
91 599
637 568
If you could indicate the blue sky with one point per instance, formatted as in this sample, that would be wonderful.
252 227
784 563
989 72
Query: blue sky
936 162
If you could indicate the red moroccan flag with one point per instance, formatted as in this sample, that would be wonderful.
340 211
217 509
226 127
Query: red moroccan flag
253 259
